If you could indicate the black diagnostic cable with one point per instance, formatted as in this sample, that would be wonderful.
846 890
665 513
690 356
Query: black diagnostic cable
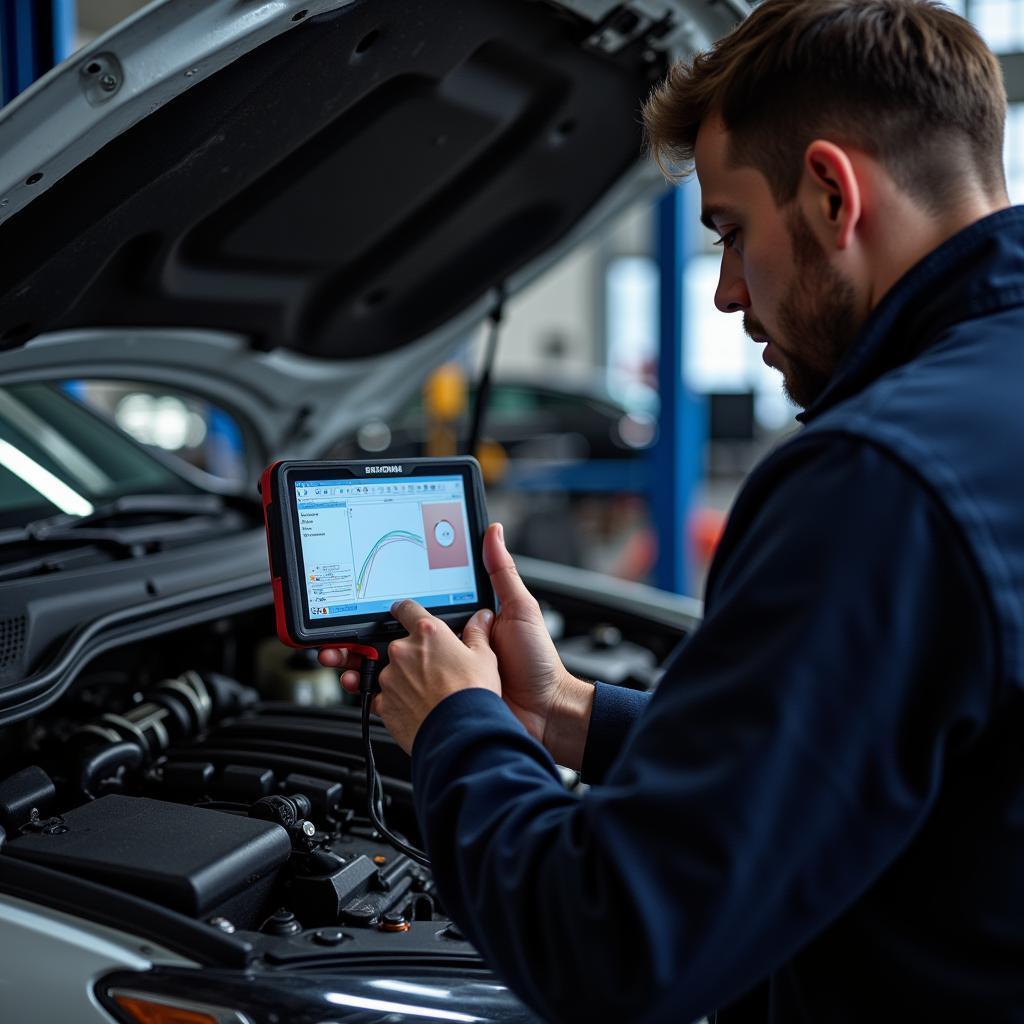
374 787
483 388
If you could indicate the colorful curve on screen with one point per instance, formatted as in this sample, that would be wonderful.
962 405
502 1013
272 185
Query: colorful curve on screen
394 537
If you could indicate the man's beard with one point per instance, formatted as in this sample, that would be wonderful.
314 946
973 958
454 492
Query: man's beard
817 318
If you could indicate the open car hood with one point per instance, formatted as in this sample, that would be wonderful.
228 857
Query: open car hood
296 208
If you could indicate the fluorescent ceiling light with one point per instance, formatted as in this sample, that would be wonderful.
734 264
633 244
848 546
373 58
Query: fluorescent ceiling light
42 480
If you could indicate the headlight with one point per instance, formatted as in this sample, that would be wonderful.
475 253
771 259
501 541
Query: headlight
144 1008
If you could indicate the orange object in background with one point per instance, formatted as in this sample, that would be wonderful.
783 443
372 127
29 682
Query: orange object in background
706 528
493 460
444 393
444 401
638 555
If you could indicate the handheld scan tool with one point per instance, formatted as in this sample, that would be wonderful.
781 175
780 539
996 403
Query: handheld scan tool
348 539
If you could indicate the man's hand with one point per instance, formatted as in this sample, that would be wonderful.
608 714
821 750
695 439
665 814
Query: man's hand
430 664
553 705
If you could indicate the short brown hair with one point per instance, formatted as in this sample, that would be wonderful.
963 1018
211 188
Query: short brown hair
902 80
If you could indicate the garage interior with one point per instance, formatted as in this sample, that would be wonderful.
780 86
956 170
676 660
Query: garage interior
616 415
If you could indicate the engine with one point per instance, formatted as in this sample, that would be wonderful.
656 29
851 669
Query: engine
247 814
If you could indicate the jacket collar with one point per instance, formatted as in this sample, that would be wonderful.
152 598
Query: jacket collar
978 271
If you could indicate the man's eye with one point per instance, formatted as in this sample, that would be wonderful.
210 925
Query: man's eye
729 240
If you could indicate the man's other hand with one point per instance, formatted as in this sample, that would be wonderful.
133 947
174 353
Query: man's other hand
553 705
431 663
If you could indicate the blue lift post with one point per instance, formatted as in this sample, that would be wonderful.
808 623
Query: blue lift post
34 36
678 457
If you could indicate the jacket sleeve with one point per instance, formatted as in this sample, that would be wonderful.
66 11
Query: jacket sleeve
792 751
614 712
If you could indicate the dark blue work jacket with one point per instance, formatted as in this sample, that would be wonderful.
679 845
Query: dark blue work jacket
827 789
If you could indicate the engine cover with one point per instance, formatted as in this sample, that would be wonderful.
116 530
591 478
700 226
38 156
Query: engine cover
187 858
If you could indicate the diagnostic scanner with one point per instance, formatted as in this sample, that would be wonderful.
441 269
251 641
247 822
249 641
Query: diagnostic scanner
348 539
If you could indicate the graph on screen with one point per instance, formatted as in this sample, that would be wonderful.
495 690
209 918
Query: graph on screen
394 537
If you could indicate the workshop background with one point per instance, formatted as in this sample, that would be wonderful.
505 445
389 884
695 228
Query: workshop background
609 443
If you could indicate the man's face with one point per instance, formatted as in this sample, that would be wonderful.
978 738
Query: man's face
775 272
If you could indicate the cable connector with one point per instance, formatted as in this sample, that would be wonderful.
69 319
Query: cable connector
368 685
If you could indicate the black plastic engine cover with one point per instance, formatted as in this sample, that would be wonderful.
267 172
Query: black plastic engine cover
186 858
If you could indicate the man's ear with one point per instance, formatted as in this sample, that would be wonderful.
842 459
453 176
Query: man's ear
830 194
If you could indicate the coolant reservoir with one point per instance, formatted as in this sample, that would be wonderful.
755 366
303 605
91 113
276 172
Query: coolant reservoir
283 673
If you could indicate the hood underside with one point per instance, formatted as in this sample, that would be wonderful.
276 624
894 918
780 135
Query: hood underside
280 204
340 189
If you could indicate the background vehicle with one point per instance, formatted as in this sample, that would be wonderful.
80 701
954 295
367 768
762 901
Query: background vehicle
529 418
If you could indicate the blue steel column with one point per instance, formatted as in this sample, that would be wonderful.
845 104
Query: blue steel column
34 36
679 454
65 28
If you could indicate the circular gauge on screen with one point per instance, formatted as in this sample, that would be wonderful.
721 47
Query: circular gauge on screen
444 533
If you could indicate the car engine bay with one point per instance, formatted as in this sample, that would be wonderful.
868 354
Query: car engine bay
235 795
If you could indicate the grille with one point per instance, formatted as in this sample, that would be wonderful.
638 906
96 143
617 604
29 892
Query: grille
12 640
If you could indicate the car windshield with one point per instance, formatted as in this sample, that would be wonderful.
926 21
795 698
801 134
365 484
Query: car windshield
57 456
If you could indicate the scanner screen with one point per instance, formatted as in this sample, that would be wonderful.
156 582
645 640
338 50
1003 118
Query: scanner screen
367 543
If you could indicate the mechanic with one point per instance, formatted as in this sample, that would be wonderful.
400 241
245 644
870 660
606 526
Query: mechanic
821 808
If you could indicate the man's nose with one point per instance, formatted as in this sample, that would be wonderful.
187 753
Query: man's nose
731 295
